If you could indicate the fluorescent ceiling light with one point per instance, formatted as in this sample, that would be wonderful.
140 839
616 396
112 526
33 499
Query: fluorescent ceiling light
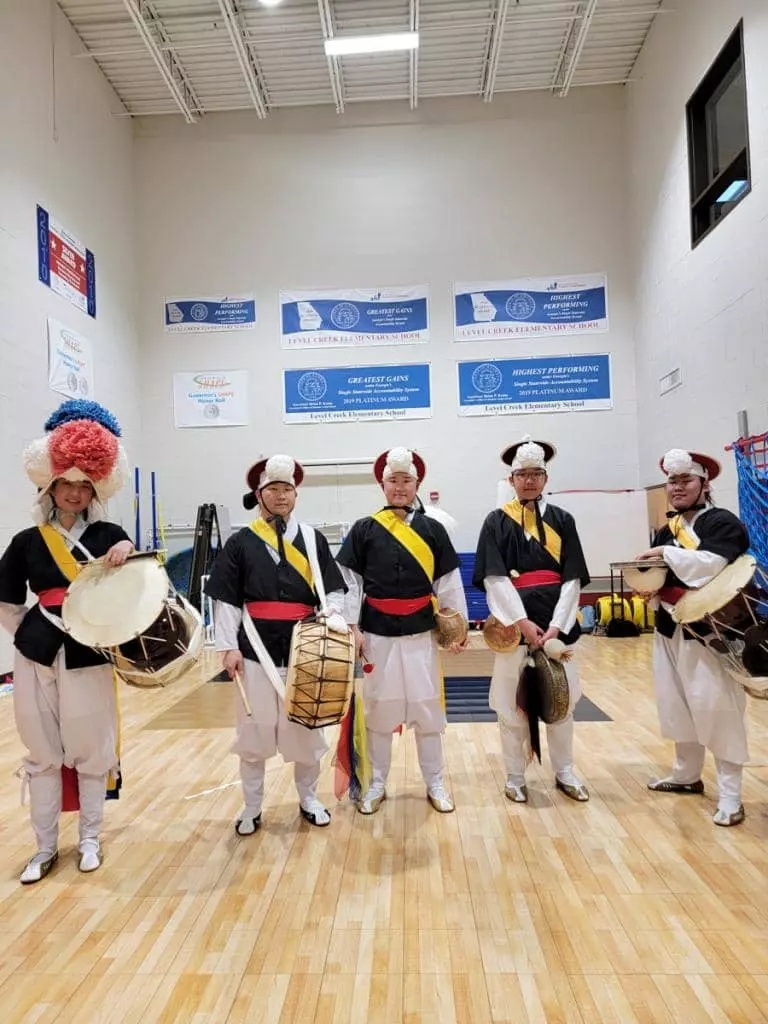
342 45
734 190
270 3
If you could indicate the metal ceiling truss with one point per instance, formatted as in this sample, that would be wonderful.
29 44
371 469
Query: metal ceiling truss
413 68
576 36
151 29
227 55
494 48
245 56
334 65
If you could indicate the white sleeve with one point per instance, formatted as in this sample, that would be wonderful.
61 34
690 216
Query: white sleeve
564 615
353 599
11 616
335 601
694 568
227 619
449 591
503 600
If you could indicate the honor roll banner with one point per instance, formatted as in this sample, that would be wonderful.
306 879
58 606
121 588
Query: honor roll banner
340 317
70 362
357 393
64 264
530 306
211 399
197 315
556 384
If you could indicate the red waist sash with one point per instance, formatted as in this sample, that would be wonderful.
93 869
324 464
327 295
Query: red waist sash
53 597
280 611
399 605
537 578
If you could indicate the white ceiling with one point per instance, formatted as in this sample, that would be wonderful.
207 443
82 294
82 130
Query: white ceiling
193 57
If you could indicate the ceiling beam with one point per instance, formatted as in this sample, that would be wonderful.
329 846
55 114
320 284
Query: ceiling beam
574 44
494 49
244 55
334 67
148 24
413 71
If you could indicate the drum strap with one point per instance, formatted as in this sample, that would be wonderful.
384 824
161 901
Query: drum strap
310 543
252 634
263 654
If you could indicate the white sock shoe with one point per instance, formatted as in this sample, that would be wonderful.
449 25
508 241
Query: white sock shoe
247 822
314 812
439 797
38 867
90 855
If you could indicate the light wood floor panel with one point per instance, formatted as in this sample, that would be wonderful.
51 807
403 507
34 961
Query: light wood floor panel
632 908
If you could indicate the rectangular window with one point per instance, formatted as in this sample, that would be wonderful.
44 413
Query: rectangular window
718 139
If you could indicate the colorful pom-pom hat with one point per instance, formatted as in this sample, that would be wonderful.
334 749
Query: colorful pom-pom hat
81 442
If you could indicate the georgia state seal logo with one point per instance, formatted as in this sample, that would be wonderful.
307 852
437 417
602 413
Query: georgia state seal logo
312 386
486 378
199 311
520 305
345 316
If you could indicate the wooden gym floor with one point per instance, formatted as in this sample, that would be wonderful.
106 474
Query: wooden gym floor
631 908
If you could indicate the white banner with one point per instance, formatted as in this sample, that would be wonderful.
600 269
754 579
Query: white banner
215 398
530 307
354 317
183 316
70 362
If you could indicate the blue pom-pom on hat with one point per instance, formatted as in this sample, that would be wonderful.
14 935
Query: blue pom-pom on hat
82 409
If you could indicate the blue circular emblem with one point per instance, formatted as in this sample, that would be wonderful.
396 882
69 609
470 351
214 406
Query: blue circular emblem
345 316
312 386
520 306
486 378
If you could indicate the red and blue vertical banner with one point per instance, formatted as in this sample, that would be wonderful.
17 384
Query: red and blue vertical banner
64 264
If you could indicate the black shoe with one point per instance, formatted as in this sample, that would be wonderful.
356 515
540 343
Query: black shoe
255 825
670 786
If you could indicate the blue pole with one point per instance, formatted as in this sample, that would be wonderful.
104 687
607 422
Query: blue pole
154 510
137 504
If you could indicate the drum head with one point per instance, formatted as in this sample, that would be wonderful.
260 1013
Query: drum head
696 604
451 627
648 563
645 575
501 639
106 606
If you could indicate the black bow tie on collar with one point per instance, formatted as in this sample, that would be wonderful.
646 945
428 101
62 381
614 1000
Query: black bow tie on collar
682 511
398 508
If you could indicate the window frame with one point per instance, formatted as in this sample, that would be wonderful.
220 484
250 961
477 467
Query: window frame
704 187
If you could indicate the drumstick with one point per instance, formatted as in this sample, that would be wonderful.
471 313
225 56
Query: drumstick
243 695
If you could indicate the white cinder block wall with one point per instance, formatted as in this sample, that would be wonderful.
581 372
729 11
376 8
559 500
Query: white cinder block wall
61 147
704 310
532 185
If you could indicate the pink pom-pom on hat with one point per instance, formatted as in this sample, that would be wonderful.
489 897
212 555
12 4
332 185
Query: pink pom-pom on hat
83 445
